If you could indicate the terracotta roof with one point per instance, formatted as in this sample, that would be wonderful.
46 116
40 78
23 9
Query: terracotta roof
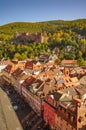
6 62
74 79
35 85
29 65
55 95
72 107
50 63
32 84
59 86
61 98
28 81
69 61
22 76
81 89
17 72
83 80
8 68
47 87
70 91
65 100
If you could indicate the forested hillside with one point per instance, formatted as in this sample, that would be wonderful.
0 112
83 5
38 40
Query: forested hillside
67 39
78 26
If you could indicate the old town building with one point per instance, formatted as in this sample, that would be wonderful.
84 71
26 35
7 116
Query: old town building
63 112
52 91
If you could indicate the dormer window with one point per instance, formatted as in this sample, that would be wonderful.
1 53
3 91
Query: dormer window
80 119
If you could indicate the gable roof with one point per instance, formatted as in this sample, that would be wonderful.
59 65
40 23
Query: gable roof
17 72
28 81
55 95
8 68
83 80
69 62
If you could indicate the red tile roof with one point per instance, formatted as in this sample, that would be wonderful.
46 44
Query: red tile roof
69 61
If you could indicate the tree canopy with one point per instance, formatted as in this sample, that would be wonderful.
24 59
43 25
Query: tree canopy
67 39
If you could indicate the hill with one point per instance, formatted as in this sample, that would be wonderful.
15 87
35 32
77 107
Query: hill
78 26
64 38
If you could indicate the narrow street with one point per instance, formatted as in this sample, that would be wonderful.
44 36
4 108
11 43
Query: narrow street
27 117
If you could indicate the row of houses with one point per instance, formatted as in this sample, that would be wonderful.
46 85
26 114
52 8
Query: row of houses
52 92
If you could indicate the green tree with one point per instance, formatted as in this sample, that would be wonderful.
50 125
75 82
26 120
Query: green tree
83 47
1 54
17 56
81 61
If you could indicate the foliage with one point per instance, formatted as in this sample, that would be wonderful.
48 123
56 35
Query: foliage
67 40
7 31
81 62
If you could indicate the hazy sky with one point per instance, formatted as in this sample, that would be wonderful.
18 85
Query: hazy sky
41 10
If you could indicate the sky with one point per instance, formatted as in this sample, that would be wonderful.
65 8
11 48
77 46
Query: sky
41 10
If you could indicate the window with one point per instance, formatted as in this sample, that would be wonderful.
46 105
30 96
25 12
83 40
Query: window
64 110
80 119
60 108
71 127
68 115
67 124
85 114
72 118
61 119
